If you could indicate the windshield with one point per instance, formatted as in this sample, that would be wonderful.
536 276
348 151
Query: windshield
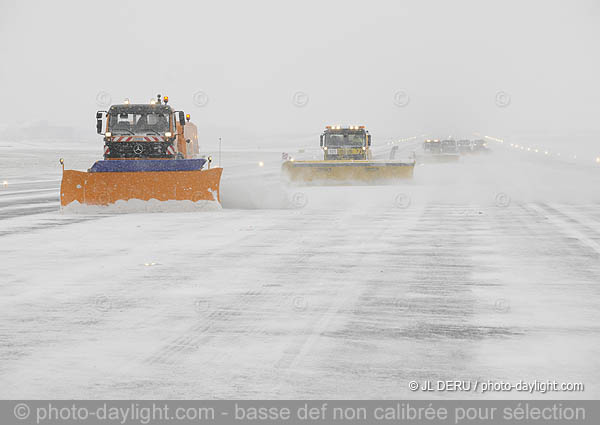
155 122
344 140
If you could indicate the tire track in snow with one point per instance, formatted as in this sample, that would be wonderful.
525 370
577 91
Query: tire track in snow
567 225
345 294
426 295
205 330
211 325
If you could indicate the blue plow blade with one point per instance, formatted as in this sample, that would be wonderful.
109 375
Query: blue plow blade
135 165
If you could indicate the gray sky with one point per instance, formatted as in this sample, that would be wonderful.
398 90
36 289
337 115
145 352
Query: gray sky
451 58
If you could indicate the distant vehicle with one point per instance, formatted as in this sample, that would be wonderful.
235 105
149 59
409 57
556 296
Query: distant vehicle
432 146
449 147
346 159
480 145
464 146
435 150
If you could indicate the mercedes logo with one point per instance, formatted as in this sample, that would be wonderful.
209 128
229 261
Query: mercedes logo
138 149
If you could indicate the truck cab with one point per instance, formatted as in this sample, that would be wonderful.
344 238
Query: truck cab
449 146
346 143
480 145
432 146
464 146
145 131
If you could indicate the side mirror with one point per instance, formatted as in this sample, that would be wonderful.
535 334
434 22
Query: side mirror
321 140
181 118
368 140
99 121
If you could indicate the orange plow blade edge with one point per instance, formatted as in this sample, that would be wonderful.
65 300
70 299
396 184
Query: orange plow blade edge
109 187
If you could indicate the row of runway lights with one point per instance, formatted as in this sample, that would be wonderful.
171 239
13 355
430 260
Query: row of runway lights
536 150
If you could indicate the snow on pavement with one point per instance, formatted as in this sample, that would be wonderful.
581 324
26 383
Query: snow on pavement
344 292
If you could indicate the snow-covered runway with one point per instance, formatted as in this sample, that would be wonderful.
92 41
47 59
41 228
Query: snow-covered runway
347 292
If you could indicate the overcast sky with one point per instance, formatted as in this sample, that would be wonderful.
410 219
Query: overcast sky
401 67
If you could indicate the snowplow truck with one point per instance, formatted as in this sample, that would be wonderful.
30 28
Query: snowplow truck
436 150
347 159
480 146
150 152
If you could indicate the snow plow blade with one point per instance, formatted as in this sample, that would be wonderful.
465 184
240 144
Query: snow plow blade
438 158
114 180
347 172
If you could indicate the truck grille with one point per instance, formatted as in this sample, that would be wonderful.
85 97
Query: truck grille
138 150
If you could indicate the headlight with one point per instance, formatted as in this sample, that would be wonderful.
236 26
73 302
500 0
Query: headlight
324 148
168 134
108 134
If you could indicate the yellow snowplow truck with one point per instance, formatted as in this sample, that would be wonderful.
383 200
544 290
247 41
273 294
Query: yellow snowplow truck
347 159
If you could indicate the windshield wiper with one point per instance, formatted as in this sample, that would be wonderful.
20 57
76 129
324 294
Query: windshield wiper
149 129
124 129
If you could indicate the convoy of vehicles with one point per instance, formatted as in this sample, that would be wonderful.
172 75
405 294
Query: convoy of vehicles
449 150
151 152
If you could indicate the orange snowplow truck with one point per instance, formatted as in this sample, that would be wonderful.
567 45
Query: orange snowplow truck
150 152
